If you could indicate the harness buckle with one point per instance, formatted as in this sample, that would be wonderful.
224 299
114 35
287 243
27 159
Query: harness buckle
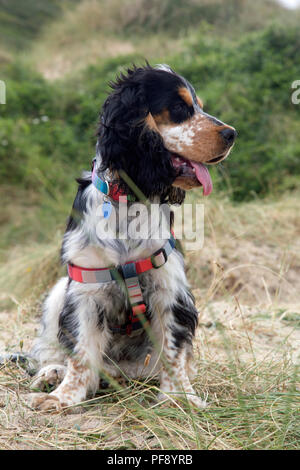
161 251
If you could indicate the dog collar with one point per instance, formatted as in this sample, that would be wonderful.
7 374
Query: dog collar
110 189
129 274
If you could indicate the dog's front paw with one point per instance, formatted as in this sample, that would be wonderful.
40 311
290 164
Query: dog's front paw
180 396
49 376
43 402
197 402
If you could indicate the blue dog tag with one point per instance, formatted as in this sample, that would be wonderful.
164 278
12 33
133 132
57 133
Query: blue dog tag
106 209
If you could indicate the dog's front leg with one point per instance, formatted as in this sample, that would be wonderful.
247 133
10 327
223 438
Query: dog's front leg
79 380
174 379
84 333
176 355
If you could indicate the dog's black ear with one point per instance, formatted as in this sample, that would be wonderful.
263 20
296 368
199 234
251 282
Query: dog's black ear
128 139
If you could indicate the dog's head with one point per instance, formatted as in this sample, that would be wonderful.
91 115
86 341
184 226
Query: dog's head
153 127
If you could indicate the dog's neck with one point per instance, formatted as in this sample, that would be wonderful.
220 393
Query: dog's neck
116 185
134 230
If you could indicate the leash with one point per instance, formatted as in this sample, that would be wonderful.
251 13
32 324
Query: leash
128 272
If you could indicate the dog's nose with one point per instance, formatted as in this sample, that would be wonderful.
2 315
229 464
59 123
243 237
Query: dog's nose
229 134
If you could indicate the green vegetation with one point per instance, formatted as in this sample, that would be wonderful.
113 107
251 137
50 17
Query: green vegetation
20 23
50 127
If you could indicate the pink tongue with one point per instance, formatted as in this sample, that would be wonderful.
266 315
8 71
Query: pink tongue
203 177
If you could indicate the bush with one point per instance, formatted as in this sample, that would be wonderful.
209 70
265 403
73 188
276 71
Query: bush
248 85
49 129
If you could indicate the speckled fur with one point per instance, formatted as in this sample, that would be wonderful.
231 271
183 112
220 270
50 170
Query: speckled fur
75 330
150 113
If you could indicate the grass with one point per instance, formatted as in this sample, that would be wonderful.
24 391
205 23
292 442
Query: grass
245 368
246 349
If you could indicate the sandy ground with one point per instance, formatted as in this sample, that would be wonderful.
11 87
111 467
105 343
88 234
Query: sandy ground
246 282
247 334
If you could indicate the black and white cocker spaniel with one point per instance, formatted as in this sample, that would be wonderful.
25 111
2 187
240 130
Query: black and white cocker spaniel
125 308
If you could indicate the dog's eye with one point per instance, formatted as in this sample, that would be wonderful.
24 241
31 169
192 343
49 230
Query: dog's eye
177 107
179 112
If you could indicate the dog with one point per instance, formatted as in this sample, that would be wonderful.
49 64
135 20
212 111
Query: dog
125 308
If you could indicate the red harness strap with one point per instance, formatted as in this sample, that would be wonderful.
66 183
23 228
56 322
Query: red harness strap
127 273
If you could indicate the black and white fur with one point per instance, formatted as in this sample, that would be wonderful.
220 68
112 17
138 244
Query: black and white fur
76 343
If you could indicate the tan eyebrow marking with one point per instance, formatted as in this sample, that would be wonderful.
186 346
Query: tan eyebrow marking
200 102
162 118
185 95
151 122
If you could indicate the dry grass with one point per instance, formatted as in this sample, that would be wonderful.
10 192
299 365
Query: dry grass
246 285
251 249
92 31
97 29
245 362
5 56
